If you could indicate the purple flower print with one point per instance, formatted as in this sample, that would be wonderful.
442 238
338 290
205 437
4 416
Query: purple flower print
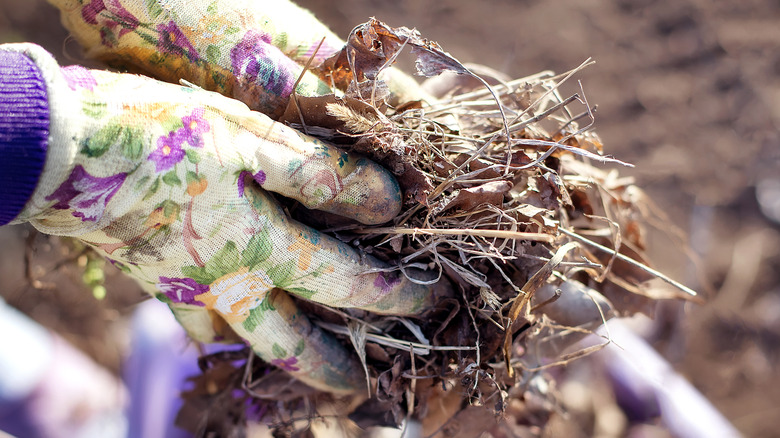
117 16
259 177
78 77
118 13
173 41
385 281
288 364
194 127
320 52
182 290
241 177
169 151
257 61
85 194
89 12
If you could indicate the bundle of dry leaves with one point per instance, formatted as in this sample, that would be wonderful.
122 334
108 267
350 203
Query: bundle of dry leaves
503 200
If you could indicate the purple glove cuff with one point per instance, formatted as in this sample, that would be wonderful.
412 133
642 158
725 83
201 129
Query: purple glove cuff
24 131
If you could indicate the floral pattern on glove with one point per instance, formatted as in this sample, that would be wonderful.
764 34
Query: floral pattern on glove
242 56
169 151
169 148
250 60
182 290
109 16
234 295
185 164
78 77
173 42
194 126
284 360
86 195
170 178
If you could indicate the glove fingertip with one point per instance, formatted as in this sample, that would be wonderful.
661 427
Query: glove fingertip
371 195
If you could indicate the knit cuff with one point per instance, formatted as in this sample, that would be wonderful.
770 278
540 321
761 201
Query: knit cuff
24 131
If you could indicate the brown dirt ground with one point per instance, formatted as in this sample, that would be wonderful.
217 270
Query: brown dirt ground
689 91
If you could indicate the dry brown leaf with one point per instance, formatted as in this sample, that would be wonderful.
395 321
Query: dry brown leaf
373 45
491 193
520 303
478 164
539 216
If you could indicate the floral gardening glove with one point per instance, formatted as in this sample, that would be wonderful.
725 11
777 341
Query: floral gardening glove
250 50
169 183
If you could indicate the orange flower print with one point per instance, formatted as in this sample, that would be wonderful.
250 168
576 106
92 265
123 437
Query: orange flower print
234 295
307 245
213 29
165 214
197 186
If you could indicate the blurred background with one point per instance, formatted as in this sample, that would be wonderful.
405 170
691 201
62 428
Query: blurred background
688 91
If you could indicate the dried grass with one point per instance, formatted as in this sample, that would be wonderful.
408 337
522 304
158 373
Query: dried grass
503 199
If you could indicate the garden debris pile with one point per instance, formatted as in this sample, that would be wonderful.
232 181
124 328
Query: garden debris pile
508 196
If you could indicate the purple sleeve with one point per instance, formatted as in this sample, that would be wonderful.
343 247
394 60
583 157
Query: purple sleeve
24 131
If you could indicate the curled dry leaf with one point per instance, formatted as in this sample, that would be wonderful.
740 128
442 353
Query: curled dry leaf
521 302
374 45
491 193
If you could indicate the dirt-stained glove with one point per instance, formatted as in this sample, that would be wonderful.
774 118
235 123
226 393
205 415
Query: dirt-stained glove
169 183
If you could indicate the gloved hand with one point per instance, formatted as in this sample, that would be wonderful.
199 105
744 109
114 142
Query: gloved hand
169 183
244 49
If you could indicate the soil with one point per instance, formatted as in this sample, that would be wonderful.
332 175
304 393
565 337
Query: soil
688 91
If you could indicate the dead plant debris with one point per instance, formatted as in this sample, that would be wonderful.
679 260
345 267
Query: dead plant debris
503 199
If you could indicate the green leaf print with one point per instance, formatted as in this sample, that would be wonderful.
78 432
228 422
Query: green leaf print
122 267
212 54
299 348
170 208
257 250
153 189
257 315
280 41
171 123
198 274
164 298
278 351
301 292
94 109
171 178
192 177
154 58
99 143
343 159
132 143
225 261
281 275
252 320
142 182
219 80
154 8
108 37
192 156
